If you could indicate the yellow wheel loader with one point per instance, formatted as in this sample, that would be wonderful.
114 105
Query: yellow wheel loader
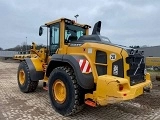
31 53
78 68
22 55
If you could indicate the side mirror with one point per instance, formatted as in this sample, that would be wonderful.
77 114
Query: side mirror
40 31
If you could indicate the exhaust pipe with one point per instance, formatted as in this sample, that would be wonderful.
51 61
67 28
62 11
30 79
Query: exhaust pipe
97 28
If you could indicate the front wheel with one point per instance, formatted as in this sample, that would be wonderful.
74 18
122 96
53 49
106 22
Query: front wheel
24 81
66 95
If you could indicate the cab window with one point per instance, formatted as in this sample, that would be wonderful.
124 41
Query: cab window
73 33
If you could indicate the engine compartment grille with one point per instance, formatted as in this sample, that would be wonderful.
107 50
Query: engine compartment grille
101 57
137 67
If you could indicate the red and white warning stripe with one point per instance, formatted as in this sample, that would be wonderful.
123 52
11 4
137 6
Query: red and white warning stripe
84 65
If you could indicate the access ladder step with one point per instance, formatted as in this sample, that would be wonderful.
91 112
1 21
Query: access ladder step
45 86
90 103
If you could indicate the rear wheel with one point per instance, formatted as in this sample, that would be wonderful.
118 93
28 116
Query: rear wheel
66 96
24 81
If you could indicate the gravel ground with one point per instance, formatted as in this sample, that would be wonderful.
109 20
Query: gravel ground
15 105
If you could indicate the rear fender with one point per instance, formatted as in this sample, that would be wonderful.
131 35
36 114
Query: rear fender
86 81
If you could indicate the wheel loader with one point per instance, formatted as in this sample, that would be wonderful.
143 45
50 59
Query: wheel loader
33 52
79 69
22 55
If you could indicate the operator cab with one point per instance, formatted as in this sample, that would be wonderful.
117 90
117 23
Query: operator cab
63 31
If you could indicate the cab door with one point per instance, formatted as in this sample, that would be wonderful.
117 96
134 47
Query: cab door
54 38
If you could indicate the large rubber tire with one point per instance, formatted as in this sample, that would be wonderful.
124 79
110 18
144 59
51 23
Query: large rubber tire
74 101
28 85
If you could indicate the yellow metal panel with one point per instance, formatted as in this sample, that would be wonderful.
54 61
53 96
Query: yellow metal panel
37 64
107 90
62 49
108 85
80 51
55 21
83 50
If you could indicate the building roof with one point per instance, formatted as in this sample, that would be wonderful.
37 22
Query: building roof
153 51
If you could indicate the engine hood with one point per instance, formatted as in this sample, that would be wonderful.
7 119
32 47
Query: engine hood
103 40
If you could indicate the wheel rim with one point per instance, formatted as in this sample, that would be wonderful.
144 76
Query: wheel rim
59 90
21 76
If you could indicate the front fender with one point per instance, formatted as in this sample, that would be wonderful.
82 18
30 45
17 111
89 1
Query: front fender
35 69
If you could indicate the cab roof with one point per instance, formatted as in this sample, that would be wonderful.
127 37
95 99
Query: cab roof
59 20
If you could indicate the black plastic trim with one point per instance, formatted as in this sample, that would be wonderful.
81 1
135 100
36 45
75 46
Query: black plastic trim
137 66
119 64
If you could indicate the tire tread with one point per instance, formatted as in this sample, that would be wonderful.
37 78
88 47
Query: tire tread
78 104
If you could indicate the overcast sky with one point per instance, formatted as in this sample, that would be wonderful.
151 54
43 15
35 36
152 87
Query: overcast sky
125 22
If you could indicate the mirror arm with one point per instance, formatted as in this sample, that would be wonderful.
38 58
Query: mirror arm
41 29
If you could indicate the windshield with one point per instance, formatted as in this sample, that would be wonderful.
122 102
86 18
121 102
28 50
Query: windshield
72 32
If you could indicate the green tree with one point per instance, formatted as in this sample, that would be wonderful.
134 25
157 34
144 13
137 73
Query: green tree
23 47
135 46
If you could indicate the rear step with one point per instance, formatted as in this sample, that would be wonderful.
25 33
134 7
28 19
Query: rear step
90 103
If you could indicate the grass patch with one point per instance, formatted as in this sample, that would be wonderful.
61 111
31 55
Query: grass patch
154 73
